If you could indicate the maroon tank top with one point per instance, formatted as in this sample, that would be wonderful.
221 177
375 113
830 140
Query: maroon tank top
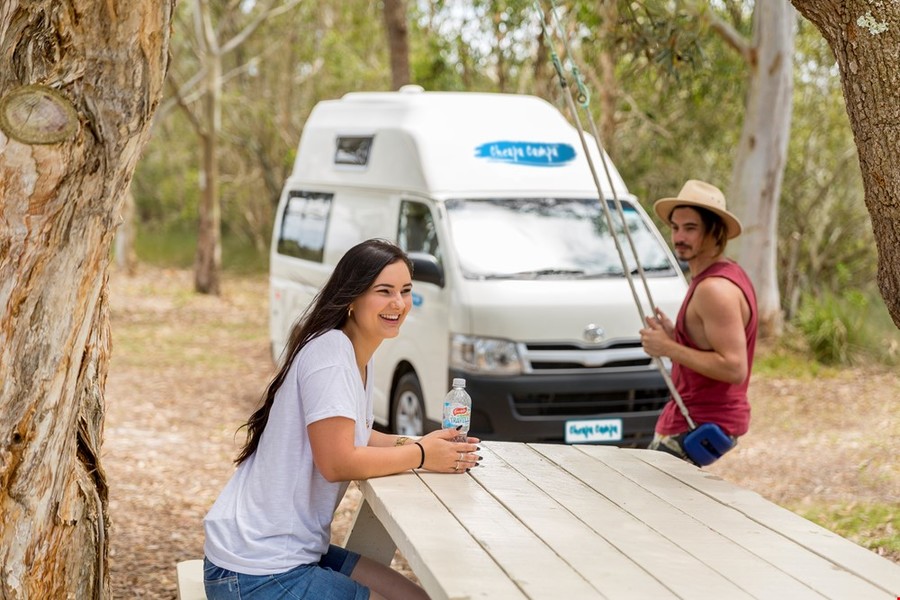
709 400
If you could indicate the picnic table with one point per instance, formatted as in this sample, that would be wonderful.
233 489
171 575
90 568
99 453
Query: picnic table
552 521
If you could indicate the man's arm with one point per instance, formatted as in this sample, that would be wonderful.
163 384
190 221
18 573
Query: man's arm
717 304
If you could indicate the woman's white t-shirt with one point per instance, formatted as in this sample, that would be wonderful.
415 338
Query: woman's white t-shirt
275 512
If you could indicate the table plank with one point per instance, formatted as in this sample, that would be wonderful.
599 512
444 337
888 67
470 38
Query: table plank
766 562
845 554
444 557
549 521
677 570
611 573
522 555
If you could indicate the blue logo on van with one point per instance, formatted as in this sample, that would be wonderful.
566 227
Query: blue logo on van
530 154
417 299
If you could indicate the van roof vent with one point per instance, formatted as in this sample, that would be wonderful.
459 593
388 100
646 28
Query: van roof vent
411 89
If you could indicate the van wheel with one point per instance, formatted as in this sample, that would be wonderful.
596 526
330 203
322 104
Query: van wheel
407 407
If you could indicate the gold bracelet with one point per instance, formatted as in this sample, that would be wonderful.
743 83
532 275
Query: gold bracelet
401 441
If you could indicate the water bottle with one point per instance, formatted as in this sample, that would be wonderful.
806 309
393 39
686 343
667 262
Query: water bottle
458 409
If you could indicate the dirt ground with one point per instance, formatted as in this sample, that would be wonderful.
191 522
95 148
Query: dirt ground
187 370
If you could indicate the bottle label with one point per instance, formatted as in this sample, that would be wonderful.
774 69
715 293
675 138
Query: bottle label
456 415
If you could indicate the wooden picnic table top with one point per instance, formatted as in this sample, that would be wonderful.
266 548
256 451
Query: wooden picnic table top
551 521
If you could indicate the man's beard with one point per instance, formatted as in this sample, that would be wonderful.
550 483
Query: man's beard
684 252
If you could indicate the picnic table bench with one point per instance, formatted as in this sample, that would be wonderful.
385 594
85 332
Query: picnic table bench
550 521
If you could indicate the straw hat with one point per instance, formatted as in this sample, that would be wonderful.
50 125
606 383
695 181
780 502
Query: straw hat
704 195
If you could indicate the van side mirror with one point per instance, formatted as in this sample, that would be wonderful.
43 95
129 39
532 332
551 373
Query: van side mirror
426 268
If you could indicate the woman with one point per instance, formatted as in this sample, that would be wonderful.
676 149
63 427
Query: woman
268 534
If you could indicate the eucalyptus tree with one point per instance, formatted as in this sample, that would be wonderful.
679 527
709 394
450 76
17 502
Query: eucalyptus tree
674 40
271 81
865 39
754 191
397 31
212 41
79 83
474 45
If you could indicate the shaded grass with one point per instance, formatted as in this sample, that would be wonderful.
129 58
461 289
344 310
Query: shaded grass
873 526
176 249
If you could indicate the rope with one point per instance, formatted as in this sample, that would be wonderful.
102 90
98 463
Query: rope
584 101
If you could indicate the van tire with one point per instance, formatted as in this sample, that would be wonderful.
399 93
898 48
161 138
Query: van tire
407 407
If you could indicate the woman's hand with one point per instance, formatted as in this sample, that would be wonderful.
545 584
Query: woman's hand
443 455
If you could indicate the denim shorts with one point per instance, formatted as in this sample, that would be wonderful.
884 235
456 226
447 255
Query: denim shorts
329 579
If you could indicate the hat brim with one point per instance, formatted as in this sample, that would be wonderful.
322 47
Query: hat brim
663 209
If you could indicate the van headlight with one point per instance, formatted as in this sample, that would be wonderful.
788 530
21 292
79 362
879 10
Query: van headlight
484 355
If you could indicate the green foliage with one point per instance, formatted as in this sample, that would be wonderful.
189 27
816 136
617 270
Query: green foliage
175 247
786 359
847 328
680 101
825 240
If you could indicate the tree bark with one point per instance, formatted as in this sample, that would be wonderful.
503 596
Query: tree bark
208 259
609 90
79 81
761 155
398 41
865 39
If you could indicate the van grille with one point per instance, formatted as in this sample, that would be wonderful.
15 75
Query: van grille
585 404
545 358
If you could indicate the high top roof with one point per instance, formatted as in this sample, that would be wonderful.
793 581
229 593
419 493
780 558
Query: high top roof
452 144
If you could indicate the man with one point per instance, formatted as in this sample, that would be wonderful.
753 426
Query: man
712 341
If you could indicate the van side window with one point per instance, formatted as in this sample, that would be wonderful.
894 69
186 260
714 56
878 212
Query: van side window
416 231
303 225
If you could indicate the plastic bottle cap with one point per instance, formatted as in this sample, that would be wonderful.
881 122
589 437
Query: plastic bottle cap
459 382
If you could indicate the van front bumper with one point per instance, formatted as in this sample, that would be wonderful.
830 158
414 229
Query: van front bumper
536 408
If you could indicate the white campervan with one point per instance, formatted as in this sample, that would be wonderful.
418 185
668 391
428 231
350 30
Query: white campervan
518 287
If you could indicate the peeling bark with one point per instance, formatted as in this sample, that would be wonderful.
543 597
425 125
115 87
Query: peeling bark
865 39
92 72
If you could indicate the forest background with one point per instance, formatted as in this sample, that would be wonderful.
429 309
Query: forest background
243 79
743 94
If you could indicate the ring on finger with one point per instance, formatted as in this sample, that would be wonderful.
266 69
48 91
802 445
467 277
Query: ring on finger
456 466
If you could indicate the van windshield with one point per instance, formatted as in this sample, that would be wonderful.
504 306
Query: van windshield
532 238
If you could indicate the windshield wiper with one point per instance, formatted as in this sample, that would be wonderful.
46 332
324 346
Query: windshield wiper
535 274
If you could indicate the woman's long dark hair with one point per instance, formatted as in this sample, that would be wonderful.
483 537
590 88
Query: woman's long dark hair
353 275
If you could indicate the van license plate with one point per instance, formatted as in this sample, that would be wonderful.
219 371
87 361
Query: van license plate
594 430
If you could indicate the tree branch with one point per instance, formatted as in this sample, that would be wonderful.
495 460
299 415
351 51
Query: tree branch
724 30
265 14
183 104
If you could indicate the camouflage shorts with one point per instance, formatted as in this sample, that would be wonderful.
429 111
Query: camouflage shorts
673 444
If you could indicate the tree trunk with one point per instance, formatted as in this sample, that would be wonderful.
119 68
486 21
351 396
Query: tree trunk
208 259
544 82
79 81
126 257
865 39
398 41
762 153
609 90
497 20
